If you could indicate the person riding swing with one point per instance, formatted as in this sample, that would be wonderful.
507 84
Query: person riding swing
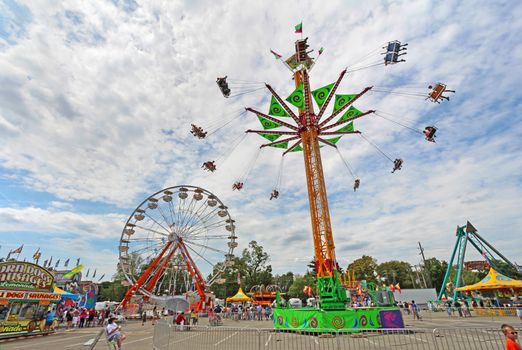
429 132
209 165
397 164
356 184
237 186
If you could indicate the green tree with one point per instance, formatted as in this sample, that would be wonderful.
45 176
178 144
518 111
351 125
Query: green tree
506 269
436 269
226 285
395 272
111 291
135 263
283 281
255 267
364 268
296 289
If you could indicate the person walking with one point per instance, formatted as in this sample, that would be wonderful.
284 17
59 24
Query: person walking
415 311
69 319
143 317
155 315
49 319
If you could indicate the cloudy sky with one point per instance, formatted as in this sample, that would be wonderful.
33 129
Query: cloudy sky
97 98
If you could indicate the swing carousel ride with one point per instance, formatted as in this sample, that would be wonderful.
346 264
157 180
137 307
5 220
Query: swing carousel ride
307 130
169 239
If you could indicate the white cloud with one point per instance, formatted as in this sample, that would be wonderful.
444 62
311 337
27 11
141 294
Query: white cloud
63 223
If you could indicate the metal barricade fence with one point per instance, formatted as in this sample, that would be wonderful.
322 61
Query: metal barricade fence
468 338
170 337
161 336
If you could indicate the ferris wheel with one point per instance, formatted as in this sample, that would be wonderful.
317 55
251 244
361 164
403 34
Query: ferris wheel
171 239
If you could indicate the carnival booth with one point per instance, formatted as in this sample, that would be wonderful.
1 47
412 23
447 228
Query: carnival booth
26 292
498 284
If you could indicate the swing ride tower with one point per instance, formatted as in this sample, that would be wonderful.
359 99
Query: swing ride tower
309 134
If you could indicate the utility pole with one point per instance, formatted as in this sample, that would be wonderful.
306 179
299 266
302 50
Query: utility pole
426 267
412 279
417 268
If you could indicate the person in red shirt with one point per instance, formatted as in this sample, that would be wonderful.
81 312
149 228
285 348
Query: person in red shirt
83 316
511 337
180 319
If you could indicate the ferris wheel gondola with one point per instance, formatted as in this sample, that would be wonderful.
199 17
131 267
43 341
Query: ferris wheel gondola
171 239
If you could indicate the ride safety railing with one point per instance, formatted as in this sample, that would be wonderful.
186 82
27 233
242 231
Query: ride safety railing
169 337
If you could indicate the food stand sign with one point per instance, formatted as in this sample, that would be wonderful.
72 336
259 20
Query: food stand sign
20 275
25 293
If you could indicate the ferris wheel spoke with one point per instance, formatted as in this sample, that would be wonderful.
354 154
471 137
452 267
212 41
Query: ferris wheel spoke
153 231
196 214
181 207
200 232
204 219
189 214
160 225
149 247
144 239
201 256
210 237
182 212
209 214
160 210
172 212
206 228
206 247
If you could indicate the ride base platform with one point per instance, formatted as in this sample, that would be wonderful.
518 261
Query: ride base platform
350 319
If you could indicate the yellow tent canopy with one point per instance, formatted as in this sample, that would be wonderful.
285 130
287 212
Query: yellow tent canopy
493 280
59 290
239 297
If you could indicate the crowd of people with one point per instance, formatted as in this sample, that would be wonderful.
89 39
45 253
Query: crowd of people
77 317
71 317
410 308
244 312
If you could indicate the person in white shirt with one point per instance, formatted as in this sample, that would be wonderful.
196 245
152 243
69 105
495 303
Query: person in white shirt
113 332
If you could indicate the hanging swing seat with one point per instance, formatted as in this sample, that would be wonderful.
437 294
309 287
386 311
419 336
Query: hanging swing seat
436 93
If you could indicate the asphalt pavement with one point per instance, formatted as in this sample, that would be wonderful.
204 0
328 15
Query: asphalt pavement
140 337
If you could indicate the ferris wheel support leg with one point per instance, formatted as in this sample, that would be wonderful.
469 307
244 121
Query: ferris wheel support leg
134 288
195 273
159 271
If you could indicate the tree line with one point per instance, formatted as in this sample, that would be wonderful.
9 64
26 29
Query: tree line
254 269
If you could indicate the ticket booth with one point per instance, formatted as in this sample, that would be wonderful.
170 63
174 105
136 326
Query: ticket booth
26 294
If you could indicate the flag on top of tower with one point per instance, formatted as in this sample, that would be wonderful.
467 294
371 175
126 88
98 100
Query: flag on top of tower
299 28
276 55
